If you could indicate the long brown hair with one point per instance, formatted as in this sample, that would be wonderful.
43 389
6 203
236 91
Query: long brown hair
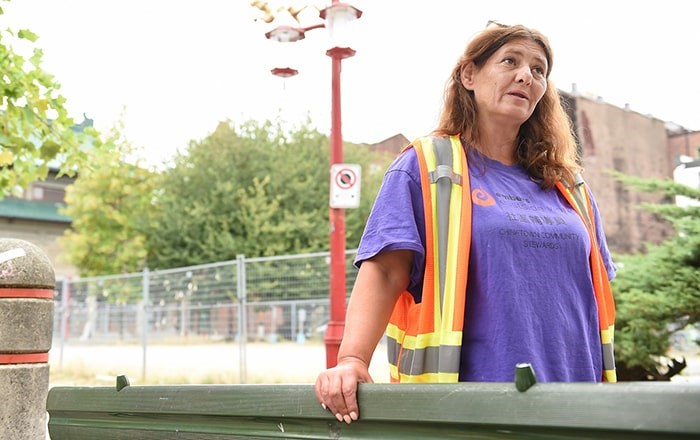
546 147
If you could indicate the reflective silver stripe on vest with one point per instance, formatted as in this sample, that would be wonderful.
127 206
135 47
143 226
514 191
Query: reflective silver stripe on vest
442 148
608 357
444 171
393 348
426 360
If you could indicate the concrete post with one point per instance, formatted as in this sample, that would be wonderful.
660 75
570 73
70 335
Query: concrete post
27 283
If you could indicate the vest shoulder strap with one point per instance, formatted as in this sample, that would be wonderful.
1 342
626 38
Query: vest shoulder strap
577 196
424 339
580 196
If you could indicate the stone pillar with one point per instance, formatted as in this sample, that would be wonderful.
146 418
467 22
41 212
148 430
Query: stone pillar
27 283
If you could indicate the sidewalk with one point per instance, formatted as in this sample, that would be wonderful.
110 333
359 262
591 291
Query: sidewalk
270 363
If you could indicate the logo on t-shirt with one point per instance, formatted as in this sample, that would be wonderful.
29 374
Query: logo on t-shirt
482 198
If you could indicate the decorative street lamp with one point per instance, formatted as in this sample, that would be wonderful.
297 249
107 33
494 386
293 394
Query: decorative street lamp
336 18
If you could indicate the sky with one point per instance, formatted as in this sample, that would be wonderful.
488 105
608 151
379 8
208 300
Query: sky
171 70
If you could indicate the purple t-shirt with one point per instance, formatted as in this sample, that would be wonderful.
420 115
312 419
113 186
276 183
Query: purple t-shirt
529 295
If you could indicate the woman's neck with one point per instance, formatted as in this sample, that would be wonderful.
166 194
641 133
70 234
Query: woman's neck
497 143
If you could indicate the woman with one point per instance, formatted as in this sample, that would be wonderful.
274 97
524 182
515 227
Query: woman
530 255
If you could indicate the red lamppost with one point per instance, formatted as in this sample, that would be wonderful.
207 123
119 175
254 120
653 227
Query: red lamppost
336 17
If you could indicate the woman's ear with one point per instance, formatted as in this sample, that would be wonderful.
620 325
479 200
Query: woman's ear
467 75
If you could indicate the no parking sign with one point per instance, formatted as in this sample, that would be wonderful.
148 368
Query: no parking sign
345 185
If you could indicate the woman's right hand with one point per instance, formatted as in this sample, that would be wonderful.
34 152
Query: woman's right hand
380 281
336 388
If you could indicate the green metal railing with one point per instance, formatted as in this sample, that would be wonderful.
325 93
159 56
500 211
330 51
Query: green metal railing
631 410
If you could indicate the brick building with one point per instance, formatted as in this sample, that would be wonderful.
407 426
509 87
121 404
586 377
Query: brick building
683 145
617 139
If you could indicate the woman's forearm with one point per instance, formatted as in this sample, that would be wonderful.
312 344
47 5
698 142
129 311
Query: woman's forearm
379 283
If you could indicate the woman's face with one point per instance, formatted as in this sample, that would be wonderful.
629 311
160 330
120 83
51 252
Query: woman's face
508 86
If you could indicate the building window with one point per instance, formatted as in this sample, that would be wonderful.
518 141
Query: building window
52 194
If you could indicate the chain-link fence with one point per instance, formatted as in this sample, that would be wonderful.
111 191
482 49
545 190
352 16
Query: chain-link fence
270 299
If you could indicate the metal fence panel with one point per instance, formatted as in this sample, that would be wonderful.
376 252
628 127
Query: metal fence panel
284 298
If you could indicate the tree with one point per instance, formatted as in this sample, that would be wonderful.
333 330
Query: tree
252 190
110 204
35 129
658 292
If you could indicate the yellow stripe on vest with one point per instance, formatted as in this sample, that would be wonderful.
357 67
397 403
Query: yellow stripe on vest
429 156
452 244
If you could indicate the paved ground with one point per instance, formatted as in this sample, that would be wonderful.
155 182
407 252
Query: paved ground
209 363
220 363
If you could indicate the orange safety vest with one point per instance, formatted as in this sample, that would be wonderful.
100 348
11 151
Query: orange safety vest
424 340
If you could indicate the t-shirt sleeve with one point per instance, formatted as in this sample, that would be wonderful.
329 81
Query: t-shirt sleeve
396 221
602 241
